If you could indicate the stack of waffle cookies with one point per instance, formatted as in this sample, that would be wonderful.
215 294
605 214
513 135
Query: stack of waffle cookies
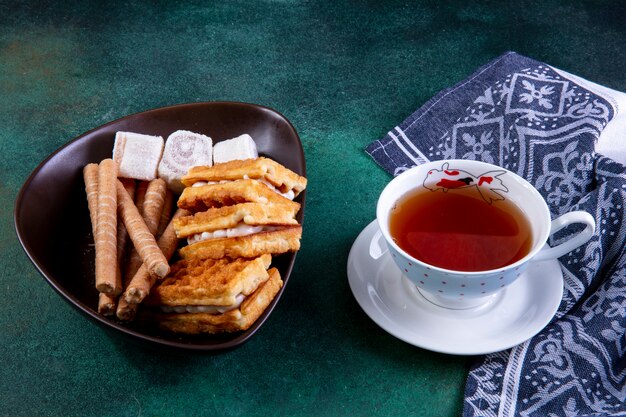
238 215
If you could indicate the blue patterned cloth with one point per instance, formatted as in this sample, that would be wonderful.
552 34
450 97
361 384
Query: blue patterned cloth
536 121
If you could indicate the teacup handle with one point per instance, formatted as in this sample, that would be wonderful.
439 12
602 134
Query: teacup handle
565 247
378 247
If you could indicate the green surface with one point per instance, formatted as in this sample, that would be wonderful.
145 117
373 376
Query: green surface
343 73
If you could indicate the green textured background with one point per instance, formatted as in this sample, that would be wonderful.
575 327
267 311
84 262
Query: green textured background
343 73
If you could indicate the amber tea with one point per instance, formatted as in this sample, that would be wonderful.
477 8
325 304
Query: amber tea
460 231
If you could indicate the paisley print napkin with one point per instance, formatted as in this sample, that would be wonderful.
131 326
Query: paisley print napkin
549 127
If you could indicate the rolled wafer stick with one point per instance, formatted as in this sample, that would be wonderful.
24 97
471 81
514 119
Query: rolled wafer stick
126 311
134 260
142 282
122 233
107 279
153 204
140 195
142 239
130 185
106 304
90 174
151 209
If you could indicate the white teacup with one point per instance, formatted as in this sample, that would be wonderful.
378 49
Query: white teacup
461 289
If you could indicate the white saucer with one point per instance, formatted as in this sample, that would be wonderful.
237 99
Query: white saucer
513 316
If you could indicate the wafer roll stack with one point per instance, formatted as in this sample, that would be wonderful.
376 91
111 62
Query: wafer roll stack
141 283
157 205
142 238
152 202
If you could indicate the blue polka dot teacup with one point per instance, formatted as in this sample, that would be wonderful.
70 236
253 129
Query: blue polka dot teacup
438 240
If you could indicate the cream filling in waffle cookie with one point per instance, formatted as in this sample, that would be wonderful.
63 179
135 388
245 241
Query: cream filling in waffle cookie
205 309
241 229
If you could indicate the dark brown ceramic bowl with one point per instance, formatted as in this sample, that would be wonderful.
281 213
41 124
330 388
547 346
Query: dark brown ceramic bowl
52 219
